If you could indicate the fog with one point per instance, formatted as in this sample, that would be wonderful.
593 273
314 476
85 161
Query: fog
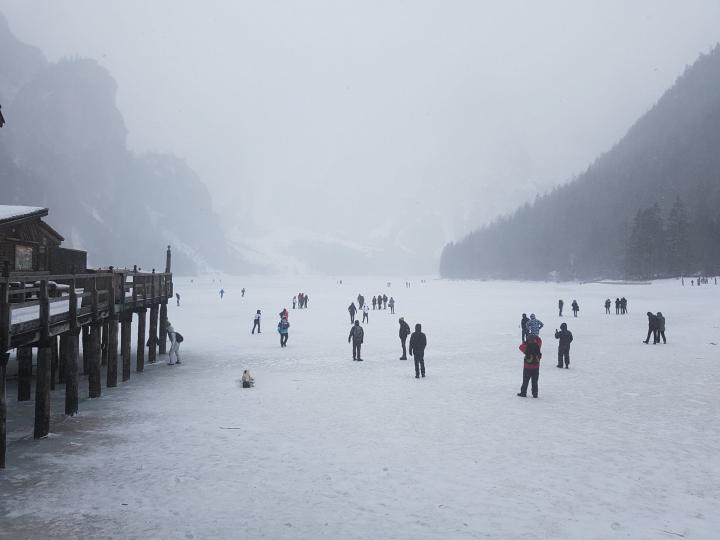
388 127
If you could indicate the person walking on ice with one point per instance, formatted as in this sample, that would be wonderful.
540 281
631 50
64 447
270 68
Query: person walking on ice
531 365
560 306
404 333
242 292
256 322
391 303
661 327
357 336
361 301
523 327
575 308
222 293
565 336
418 342
352 310
294 301
608 303
177 297
653 325
175 340
534 326
366 313
374 302
283 328
385 301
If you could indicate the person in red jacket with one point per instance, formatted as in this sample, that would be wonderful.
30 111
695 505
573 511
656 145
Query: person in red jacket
531 364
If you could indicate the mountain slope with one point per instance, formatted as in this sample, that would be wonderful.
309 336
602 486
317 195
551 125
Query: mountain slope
581 230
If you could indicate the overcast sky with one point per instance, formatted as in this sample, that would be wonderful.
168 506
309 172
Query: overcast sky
360 118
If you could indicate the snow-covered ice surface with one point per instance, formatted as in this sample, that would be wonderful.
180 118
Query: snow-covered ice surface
624 444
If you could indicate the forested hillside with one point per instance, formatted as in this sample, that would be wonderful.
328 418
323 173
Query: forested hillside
64 147
649 207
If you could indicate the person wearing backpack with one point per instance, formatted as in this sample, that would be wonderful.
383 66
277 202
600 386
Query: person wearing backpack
357 335
531 364
575 308
404 333
283 327
175 340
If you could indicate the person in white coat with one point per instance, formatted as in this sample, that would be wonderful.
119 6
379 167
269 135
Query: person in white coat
175 340
366 313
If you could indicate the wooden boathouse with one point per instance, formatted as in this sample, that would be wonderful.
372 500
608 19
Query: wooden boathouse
50 302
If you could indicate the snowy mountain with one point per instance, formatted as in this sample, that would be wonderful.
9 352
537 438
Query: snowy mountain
64 147
605 222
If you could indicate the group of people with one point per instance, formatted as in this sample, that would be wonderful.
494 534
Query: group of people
301 300
531 348
575 307
418 343
656 328
620 306
380 301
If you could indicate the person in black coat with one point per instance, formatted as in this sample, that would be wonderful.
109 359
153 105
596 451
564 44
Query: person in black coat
357 335
653 327
575 308
560 306
418 342
523 327
404 333
565 336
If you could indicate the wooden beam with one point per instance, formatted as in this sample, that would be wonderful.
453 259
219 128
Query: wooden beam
24 359
42 391
112 352
140 362
152 338
62 356
125 332
3 407
54 360
86 353
93 354
104 343
71 372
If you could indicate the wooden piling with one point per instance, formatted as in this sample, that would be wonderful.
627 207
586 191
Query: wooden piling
140 362
54 360
152 338
125 331
62 355
42 390
71 372
86 350
104 344
112 353
24 359
162 342
93 354
3 407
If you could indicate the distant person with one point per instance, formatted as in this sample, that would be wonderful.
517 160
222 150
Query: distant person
391 303
256 322
404 333
385 301
623 306
418 342
565 337
300 300
531 365
242 292
661 327
222 293
653 325
534 325
575 308
357 335
283 329
617 306
374 302
523 327
306 298
608 303
692 282
352 310
247 380
560 306
284 314
175 340
294 301
177 297
366 314
361 301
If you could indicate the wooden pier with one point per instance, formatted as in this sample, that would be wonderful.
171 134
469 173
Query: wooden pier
56 313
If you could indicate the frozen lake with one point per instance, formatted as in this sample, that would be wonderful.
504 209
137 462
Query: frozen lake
624 444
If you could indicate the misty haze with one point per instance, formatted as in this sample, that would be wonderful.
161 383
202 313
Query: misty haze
235 235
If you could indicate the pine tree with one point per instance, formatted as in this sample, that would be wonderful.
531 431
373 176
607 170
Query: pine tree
678 240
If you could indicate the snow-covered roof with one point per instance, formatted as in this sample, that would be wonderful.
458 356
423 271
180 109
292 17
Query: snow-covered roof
9 212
